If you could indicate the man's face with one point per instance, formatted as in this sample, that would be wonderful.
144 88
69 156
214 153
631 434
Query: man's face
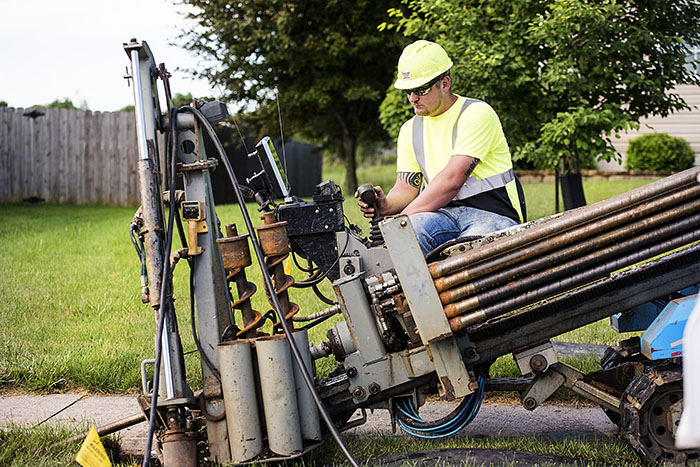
435 102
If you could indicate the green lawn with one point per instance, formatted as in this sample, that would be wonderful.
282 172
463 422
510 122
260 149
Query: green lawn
71 318
42 447
71 315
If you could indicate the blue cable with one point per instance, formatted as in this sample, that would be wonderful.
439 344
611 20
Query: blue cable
459 421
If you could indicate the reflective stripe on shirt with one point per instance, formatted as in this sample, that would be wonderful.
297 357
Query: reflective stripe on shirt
473 185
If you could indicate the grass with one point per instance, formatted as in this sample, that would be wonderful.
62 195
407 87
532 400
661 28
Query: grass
43 447
71 319
586 452
70 310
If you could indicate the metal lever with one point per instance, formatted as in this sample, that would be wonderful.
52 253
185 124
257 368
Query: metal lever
369 197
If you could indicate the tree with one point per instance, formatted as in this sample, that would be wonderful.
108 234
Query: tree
324 60
64 103
180 99
564 75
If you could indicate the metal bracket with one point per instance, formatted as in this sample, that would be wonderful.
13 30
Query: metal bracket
558 375
350 265
536 359
195 214
426 308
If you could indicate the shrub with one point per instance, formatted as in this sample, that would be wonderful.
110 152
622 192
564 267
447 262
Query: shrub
659 151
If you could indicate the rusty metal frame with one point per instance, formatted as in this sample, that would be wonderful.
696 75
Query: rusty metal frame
427 311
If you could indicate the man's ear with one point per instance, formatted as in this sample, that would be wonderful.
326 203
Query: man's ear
446 82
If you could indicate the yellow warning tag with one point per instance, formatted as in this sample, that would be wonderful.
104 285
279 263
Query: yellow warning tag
288 265
92 453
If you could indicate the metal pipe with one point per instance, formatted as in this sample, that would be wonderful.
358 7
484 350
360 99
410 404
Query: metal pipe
279 395
139 107
167 363
524 252
458 323
566 221
551 259
239 392
308 412
110 428
577 264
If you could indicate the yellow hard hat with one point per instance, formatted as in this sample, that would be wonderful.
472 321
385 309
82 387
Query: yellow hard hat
419 63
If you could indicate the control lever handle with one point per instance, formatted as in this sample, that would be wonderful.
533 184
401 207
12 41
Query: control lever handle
369 197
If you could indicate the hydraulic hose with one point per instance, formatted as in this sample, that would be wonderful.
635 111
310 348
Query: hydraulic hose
267 280
163 308
408 420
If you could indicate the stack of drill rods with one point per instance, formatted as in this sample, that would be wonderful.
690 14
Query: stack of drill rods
524 252
564 222
591 244
581 246
574 280
632 249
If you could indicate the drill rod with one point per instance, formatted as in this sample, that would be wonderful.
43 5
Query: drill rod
557 239
566 221
550 260
575 279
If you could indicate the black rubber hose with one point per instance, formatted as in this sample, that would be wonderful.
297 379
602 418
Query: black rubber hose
269 286
317 279
322 297
165 283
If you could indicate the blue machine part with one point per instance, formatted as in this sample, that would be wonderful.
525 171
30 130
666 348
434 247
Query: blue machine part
640 317
664 338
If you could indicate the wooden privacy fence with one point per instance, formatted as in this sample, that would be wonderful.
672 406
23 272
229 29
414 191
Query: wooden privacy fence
68 156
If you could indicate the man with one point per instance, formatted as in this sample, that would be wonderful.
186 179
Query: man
454 170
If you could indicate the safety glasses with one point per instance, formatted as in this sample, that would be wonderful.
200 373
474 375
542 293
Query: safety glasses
425 89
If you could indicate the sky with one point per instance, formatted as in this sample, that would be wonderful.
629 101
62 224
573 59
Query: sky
56 49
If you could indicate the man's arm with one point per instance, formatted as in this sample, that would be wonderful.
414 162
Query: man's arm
444 186
405 190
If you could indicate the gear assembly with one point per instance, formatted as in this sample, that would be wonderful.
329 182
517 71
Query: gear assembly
410 325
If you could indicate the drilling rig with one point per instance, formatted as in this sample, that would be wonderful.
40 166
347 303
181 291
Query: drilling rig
412 325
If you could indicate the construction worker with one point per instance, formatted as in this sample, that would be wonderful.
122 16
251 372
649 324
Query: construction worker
454 170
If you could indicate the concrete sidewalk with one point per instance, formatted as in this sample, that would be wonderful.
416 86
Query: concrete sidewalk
493 420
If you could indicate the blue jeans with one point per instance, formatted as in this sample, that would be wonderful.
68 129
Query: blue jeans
435 228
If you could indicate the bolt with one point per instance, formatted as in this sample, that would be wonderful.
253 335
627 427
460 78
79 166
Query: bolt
358 392
403 224
530 403
374 388
349 269
351 372
538 363
628 371
469 353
